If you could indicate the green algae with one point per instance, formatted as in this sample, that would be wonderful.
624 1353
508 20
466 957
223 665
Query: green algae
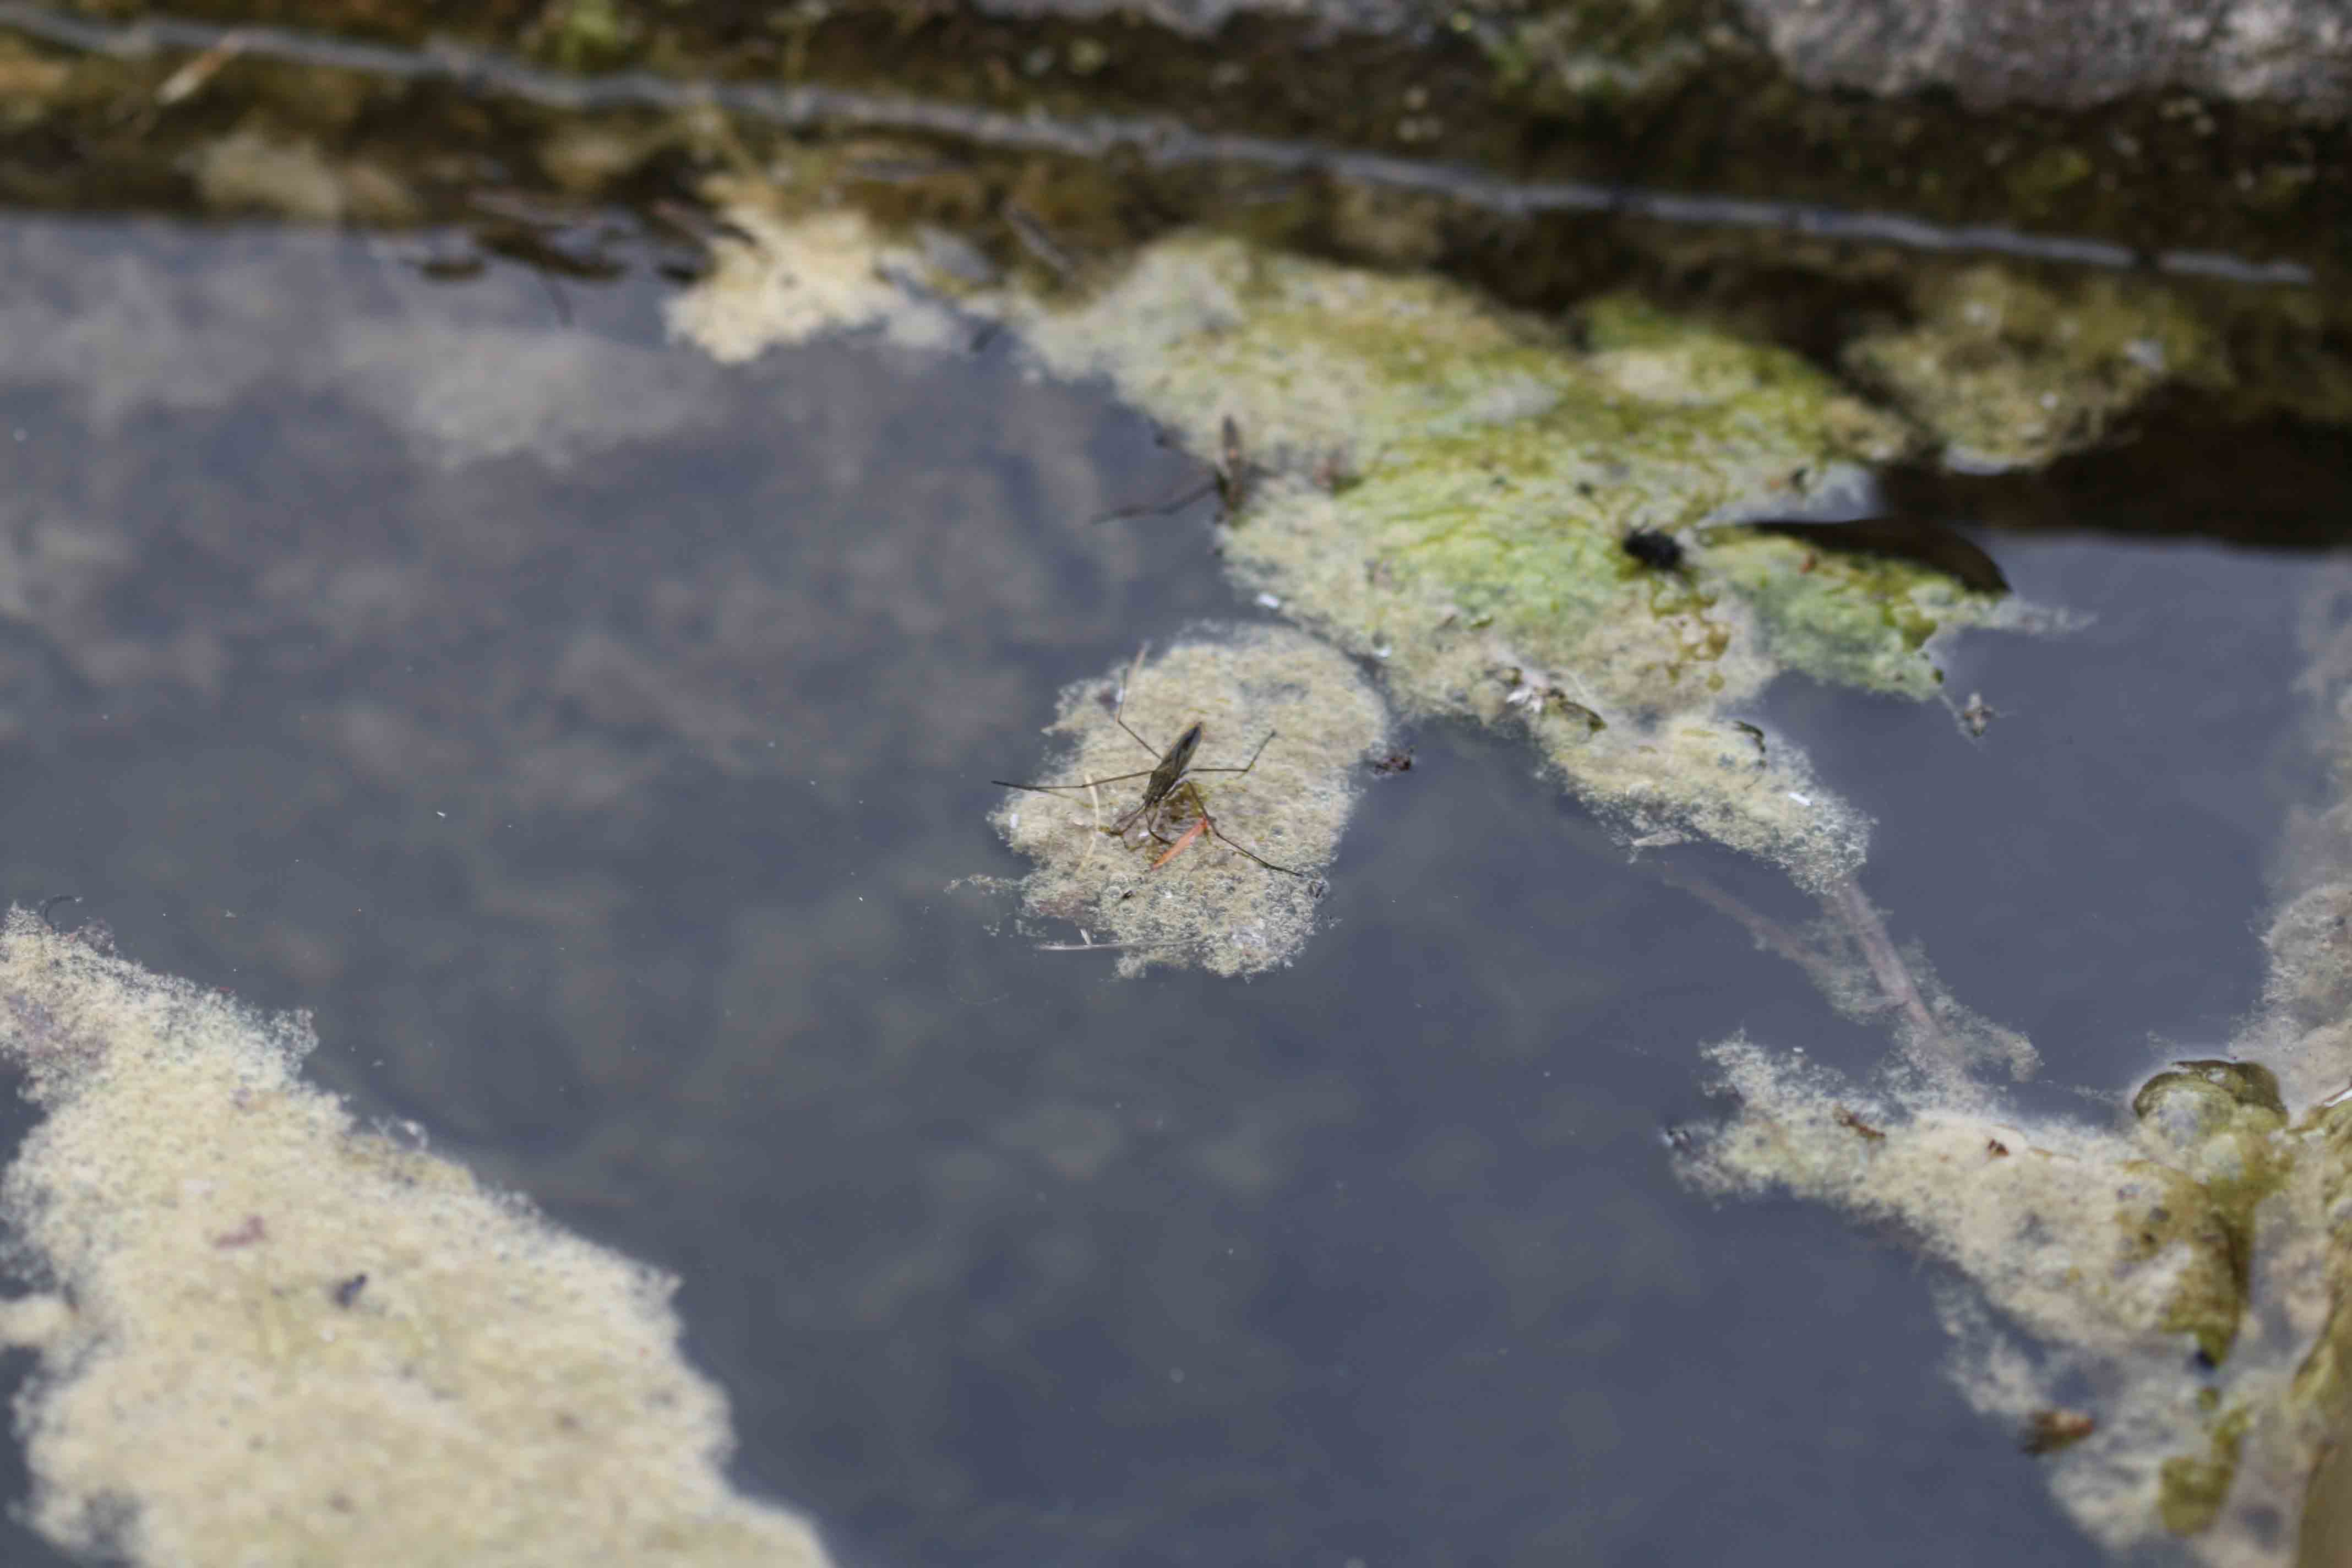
1848 619
1496 462
2162 1212
2323 1381
1444 487
2125 1251
2007 371
2194 1487
2112 1250
584 35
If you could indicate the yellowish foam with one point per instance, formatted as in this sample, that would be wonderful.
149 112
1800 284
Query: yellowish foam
271 1336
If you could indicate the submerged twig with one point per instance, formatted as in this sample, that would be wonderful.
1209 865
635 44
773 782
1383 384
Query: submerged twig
1769 933
1847 905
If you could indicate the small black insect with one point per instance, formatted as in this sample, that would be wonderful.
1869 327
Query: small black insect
1658 552
347 1291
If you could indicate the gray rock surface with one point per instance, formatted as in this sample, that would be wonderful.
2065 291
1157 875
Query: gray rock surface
1200 18
2069 53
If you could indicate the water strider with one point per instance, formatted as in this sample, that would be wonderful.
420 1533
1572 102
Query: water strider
1165 786
1230 478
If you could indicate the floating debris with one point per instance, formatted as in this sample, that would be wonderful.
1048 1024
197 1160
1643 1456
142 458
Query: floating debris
1854 1123
1921 540
2051 1430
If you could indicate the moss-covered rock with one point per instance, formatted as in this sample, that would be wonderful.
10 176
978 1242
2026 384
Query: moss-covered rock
2221 1123
2193 1486
2008 372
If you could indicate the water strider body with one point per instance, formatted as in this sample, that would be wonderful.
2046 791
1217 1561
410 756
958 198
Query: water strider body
1166 785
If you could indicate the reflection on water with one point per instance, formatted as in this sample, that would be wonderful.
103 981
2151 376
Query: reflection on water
589 734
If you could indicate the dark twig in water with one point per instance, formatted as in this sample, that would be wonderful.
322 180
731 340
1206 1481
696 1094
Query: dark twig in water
1860 920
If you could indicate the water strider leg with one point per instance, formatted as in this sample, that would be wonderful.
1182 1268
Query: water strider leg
1226 839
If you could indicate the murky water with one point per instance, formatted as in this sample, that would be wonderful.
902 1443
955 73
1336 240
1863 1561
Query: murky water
589 735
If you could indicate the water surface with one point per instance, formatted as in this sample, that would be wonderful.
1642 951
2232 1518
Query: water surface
589 734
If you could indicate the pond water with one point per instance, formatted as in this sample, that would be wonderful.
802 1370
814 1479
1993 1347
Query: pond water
590 735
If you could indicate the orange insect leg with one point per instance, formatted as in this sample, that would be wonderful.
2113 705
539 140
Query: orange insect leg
1199 826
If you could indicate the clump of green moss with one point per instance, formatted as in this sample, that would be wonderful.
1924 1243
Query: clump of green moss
584 35
2193 1486
2218 1123
2008 372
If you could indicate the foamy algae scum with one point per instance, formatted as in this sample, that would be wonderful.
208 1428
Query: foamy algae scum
1449 487
2184 1273
1443 486
271 1337
1208 904
2130 1256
